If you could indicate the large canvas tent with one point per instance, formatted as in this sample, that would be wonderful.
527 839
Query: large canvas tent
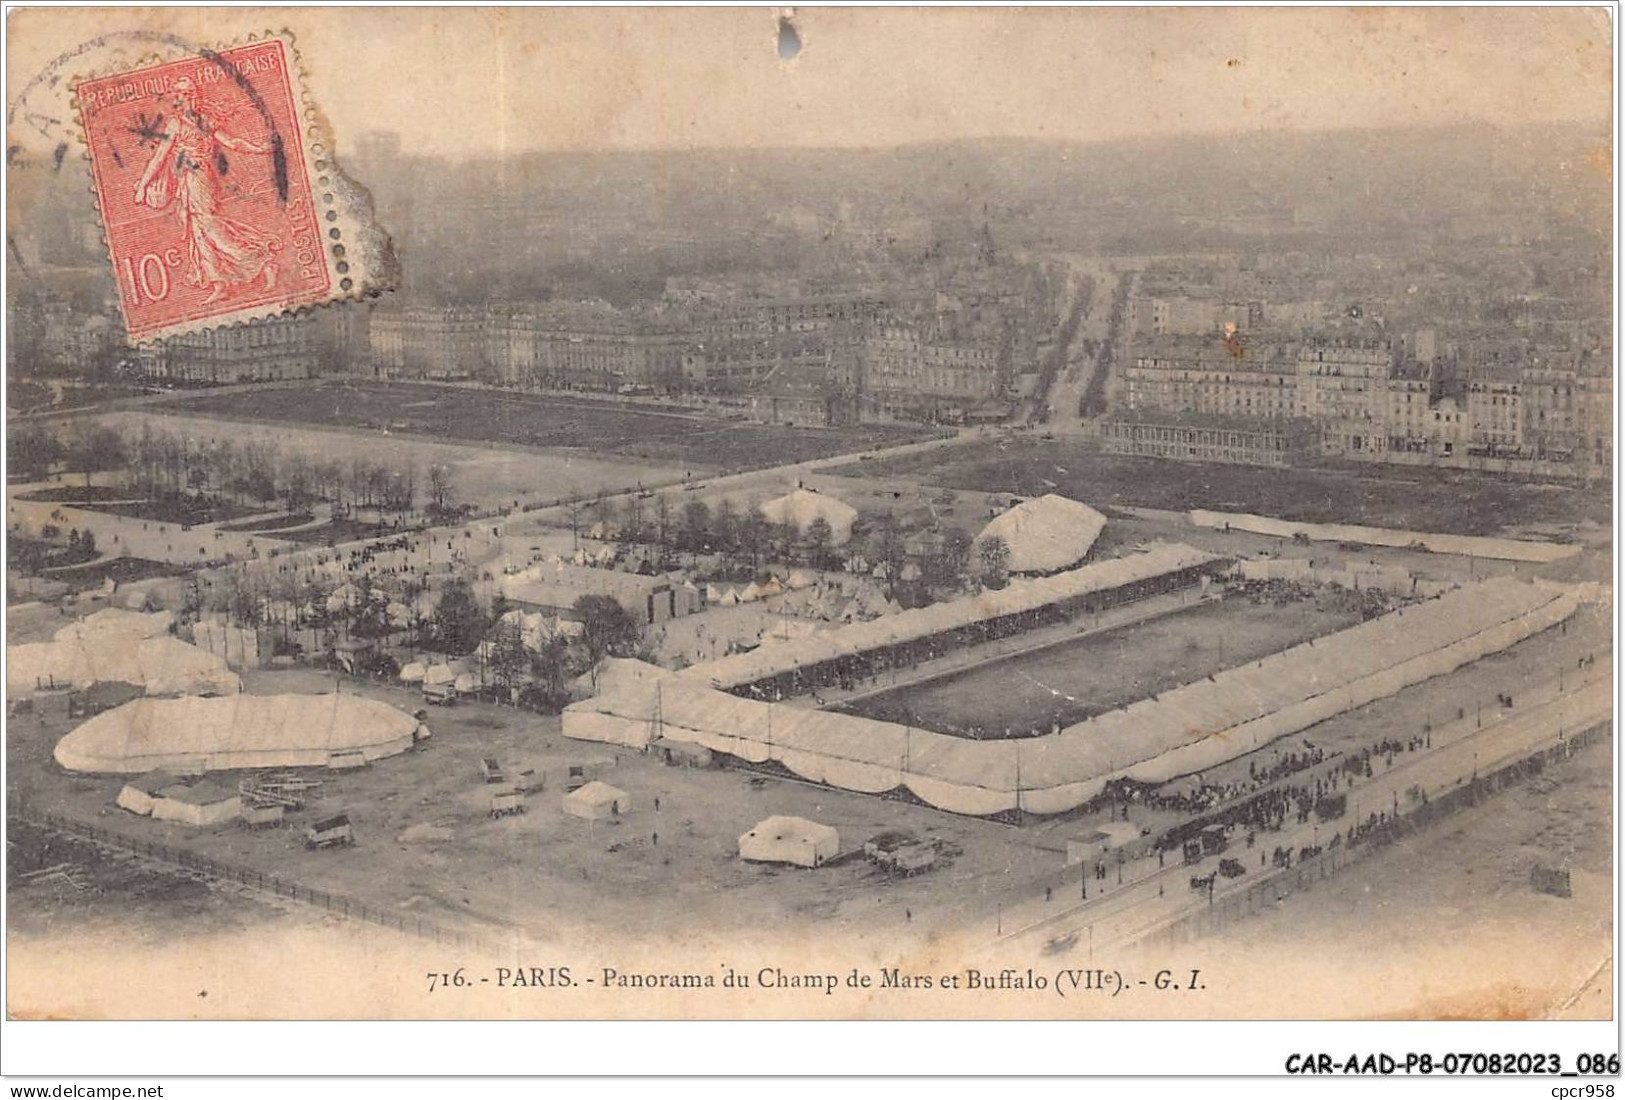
1183 731
795 840
1046 534
800 507
114 646
193 735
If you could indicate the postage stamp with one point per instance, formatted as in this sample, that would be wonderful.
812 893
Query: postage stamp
218 196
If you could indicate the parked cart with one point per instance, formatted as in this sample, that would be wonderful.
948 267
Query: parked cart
507 803
330 832
262 815
491 771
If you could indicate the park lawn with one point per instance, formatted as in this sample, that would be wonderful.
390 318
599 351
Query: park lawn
74 494
182 511
271 523
337 531
541 420
121 570
33 555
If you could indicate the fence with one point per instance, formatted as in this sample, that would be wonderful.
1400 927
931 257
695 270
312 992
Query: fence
337 904
1261 895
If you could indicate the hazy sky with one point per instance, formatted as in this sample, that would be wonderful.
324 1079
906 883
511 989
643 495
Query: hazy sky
459 82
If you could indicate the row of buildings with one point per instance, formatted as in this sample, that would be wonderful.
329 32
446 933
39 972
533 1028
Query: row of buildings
1367 398
864 354
912 350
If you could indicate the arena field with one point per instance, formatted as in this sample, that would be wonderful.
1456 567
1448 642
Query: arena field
1454 501
1074 680
679 437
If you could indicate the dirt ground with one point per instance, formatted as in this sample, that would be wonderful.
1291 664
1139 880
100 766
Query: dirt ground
535 875
1428 500
1452 898
1073 681
91 890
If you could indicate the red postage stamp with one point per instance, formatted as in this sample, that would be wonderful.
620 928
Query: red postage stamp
218 196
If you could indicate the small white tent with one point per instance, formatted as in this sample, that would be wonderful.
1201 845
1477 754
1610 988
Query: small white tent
203 803
138 794
597 801
790 840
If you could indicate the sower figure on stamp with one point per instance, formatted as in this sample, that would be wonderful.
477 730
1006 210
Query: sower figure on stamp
186 172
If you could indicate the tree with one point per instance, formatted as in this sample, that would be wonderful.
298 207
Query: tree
241 601
440 488
549 690
633 531
994 557
608 629
329 476
296 481
508 657
753 537
369 617
31 451
724 526
663 524
459 624
696 525
947 567
96 449
550 666
819 539
890 551
361 482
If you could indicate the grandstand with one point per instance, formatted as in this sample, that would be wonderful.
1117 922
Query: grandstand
777 670
1191 728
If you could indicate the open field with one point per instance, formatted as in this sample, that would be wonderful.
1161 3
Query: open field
1451 501
1074 680
535 420
543 874
483 476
